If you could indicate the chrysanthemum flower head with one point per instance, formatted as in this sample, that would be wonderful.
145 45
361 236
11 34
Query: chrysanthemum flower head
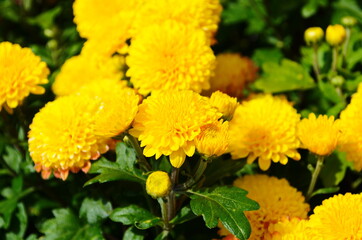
168 122
62 136
93 16
232 73
170 56
264 128
351 125
200 14
213 139
21 73
158 184
83 69
224 104
277 199
291 229
119 106
338 217
319 135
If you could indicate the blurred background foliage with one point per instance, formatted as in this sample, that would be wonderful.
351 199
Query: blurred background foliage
268 31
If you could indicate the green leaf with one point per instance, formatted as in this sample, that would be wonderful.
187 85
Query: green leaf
67 226
334 169
123 169
136 215
352 85
133 233
330 92
328 190
263 55
226 204
184 215
13 158
94 211
242 10
23 220
285 77
311 7
46 19
324 57
346 8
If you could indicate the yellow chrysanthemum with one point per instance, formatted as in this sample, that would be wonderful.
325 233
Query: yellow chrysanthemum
264 128
224 104
213 139
319 135
93 16
338 217
21 72
61 136
291 229
168 122
351 125
118 108
200 14
158 184
277 199
83 69
232 73
170 56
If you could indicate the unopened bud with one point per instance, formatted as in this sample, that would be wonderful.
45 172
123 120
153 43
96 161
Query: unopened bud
158 184
313 35
335 34
349 21
337 81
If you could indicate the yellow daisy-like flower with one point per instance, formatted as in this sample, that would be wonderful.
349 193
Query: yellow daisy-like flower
232 73
338 217
291 229
200 14
277 199
83 69
158 184
224 104
62 136
170 56
118 108
319 135
351 125
213 139
168 122
21 73
93 16
264 128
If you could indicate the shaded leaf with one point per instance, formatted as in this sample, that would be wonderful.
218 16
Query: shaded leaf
311 7
67 226
94 211
136 215
13 158
133 233
123 169
330 92
226 204
328 190
263 55
334 169
46 19
287 76
184 215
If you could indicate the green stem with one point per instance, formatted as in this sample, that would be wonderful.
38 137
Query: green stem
345 46
164 212
141 158
335 59
171 199
315 62
315 175
198 174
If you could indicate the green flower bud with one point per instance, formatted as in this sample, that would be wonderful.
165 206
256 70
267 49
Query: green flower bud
349 21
